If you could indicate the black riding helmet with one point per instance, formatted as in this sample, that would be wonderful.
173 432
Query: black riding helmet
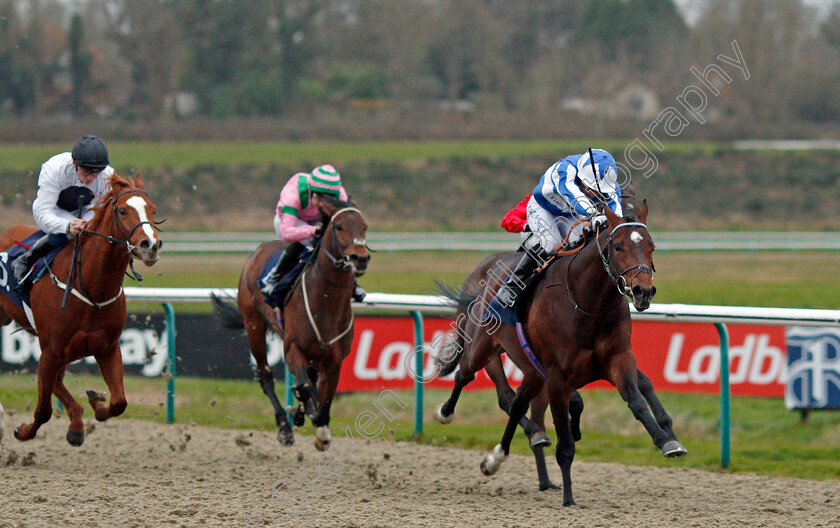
90 152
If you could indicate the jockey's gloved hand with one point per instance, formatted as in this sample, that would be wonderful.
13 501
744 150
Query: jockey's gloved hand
318 231
598 220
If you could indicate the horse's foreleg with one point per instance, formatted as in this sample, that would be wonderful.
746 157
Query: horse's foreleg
326 392
47 375
565 451
662 417
627 383
256 329
111 366
76 431
575 410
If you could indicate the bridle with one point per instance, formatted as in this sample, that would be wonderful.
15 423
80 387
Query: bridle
124 239
342 261
616 277
619 278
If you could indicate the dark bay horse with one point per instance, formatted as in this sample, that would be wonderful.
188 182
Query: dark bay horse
578 324
122 229
318 318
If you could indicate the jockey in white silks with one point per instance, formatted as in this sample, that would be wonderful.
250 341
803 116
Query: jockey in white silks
68 186
567 192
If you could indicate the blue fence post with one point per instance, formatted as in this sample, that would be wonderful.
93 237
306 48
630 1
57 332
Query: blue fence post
725 419
418 374
171 362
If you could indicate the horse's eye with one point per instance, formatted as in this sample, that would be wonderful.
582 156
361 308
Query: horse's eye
617 247
123 211
339 228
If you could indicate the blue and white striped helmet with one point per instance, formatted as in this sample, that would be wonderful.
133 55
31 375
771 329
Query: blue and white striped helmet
605 168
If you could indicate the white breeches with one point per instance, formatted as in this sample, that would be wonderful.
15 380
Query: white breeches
549 231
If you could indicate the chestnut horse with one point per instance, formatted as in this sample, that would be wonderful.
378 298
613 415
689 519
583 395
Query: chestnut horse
123 228
579 333
318 318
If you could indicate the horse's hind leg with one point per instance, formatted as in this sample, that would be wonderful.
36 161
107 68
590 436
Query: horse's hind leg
627 384
256 330
662 418
111 366
472 361
48 372
76 431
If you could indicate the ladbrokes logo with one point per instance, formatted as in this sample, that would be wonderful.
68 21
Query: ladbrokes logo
755 362
813 367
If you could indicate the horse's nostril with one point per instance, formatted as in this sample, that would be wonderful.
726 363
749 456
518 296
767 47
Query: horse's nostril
652 291
144 245
638 291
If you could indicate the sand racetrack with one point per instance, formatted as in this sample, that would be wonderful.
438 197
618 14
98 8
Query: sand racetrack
140 474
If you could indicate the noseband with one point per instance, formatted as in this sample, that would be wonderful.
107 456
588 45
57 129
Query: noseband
343 261
620 281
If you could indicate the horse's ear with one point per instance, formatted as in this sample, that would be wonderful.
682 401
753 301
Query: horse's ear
138 181
642 216
612 218
118 182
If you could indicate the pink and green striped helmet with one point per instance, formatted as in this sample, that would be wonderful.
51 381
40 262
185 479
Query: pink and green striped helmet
325 179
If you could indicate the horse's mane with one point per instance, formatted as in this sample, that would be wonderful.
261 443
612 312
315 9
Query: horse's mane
118 185
332 201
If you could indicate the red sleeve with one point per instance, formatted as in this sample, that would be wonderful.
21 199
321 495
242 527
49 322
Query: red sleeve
517 218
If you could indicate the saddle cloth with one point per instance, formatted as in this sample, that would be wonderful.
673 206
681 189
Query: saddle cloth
8 285
278 295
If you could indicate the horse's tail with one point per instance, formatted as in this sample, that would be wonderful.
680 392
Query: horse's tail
453 346
228 312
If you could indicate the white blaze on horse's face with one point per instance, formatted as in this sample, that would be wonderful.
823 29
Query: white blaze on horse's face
636 237
138 203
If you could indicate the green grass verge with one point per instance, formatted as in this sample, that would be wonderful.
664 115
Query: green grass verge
147 155
766 438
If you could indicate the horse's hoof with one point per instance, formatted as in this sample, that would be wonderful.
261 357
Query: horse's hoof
296 415
75 439
95 396
286 438
492 462
440 418
570 502
549 486
17 433
673 449
321 445
540 439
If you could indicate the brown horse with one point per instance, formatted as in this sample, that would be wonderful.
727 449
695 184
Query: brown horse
579 333
122 229
318 318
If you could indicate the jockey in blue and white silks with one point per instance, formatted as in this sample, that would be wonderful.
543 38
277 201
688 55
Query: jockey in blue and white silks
567 192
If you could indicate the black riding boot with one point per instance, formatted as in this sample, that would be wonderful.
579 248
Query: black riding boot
506 296
286 262
22 264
